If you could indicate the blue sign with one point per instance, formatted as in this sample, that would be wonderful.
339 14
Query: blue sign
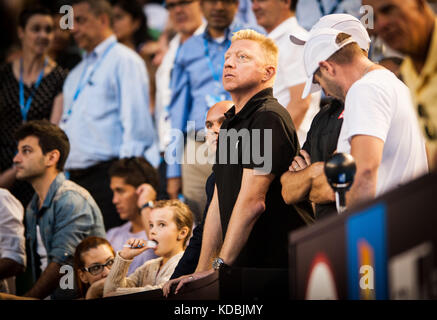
367 254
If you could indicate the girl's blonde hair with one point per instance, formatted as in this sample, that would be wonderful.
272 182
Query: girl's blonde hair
183 217
268 46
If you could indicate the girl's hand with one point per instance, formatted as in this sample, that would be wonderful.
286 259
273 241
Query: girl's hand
133 248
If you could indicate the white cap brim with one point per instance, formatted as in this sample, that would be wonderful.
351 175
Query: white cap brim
310 87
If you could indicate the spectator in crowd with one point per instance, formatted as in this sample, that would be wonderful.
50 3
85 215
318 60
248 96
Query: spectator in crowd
102 117
126 176
93 259
30 89
305 178
186 20
62 49
196 86
188 263
379 128
130 28
247 203
410 27
278 19
61 213
12 242
170 222
308 12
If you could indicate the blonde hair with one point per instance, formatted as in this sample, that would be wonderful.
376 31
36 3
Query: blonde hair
182 215
267 45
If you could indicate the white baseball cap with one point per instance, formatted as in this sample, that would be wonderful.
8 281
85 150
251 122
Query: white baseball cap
319 47
339 21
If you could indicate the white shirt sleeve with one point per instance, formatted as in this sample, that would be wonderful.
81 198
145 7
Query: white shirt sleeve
368 111
12 241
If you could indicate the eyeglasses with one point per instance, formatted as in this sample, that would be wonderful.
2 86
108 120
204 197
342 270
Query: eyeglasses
170 6
98 268
429 126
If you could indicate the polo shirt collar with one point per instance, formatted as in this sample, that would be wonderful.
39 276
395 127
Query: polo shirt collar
59 180
252 105
101 47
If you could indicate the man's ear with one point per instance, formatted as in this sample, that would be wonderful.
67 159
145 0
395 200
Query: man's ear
105 20
269 73
327 67
52 158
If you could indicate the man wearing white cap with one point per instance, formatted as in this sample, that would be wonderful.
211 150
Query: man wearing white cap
379 129
305 178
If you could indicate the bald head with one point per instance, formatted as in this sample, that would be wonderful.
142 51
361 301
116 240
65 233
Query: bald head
215 118
217 113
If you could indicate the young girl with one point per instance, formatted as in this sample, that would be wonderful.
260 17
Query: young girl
93 259
170 224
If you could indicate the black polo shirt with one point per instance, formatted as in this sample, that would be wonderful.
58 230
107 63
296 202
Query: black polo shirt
322 141
267 245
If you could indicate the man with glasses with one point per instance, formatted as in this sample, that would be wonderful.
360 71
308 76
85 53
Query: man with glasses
61 213
196 85
410 27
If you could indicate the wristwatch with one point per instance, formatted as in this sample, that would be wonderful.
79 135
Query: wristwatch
218 264
148 204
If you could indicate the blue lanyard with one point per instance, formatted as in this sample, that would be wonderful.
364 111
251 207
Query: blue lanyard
215 75
25 106
322 7
82 82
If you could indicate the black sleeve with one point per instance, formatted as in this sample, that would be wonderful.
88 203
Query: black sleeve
273 144
190 258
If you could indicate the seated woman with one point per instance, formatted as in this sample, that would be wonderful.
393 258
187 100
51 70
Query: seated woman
93 259
170 224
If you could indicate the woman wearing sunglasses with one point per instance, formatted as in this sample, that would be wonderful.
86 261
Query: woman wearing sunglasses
93 260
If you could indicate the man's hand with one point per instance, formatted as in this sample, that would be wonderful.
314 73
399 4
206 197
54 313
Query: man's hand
167 286
321 192
191 278
145 194
96 289
174 186
300 162
138 247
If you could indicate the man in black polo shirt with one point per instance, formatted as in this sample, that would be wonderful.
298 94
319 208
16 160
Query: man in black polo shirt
248 222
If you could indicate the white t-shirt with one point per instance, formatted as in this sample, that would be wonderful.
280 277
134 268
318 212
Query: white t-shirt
291 71
379 105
